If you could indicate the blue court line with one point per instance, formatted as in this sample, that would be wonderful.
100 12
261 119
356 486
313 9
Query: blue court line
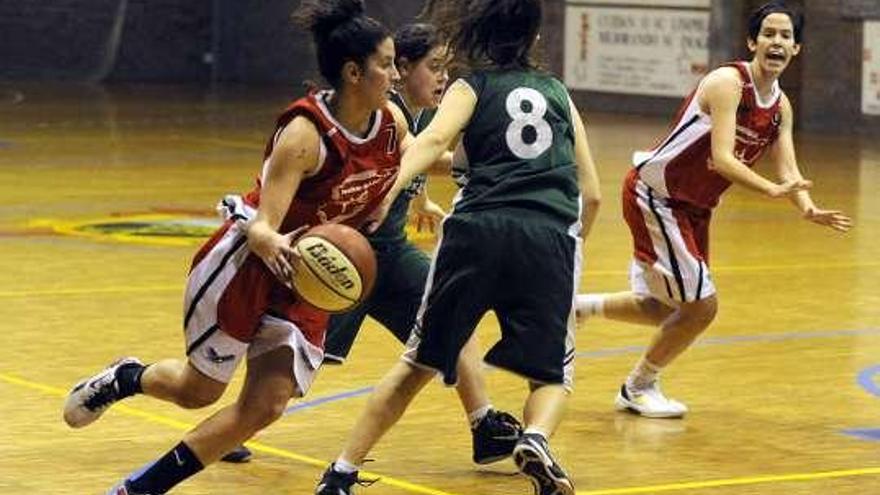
866 380
638 349
5 144
871 434
739 339
330 398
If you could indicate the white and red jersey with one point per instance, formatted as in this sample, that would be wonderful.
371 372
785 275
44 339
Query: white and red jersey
230 289
353 173
678 168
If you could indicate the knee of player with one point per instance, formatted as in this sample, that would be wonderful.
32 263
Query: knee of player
701 312
651 305
263 412
195 398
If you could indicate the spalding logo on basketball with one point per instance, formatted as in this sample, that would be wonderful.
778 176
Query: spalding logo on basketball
337 267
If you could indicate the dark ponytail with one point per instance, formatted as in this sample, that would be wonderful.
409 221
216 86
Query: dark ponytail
342 32
488 33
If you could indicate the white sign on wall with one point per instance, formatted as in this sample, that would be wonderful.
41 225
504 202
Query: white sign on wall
871 69
657 52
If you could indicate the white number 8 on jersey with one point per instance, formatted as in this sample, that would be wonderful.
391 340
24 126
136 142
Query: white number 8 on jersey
523 119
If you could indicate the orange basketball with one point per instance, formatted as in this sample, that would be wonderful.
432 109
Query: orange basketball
337 267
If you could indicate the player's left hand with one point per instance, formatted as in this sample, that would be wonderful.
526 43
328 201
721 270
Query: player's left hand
835 219
427 215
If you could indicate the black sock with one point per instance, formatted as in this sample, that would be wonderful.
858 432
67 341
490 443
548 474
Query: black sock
177 465
128 378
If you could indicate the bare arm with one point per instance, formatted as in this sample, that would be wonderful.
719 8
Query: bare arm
721 95
432 145
404 137
782 154
294 155
588 178
783 157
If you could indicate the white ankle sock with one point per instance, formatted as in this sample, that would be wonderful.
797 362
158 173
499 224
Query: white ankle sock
477 415
643 375
343 466
588 305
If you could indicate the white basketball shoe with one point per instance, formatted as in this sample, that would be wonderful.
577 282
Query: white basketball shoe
649 402
88 400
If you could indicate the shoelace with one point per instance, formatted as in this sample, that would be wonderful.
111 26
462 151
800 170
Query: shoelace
349 479
366 483
507 418
104 396
502 423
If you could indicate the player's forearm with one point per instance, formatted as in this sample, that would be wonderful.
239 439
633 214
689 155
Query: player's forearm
588 216
426 150
259 234
802 201
788 171
735 171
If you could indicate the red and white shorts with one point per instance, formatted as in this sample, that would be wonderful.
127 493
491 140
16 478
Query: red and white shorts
671 244
234 308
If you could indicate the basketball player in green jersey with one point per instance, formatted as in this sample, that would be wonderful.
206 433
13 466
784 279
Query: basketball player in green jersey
512 242
402 270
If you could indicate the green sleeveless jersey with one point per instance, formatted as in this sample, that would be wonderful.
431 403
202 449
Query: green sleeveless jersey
519 148
392 230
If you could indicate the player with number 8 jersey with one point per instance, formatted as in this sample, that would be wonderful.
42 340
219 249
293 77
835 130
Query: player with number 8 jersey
529 166
512 243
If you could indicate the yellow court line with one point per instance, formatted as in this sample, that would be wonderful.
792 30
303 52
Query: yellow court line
749 480
256 446
414 488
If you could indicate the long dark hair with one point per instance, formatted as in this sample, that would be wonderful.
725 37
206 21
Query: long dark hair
776 7
342 32
489 33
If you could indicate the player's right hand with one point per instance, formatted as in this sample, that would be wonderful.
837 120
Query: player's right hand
789 187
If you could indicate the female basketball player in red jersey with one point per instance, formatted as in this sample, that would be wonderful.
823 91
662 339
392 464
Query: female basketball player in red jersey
736 114
332 158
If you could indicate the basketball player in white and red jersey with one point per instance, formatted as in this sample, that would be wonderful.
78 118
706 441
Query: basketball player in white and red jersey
736 114
332 158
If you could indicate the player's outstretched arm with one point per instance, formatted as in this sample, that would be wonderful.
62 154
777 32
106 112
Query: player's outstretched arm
784 159
432 144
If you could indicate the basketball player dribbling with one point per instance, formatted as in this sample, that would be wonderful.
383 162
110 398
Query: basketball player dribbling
332 158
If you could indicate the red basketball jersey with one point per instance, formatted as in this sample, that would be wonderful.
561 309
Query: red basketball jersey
678 168
352 178
353 175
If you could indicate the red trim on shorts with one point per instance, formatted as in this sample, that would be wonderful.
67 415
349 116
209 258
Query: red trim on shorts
643 246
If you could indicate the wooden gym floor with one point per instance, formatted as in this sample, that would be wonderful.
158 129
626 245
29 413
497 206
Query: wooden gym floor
99 189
